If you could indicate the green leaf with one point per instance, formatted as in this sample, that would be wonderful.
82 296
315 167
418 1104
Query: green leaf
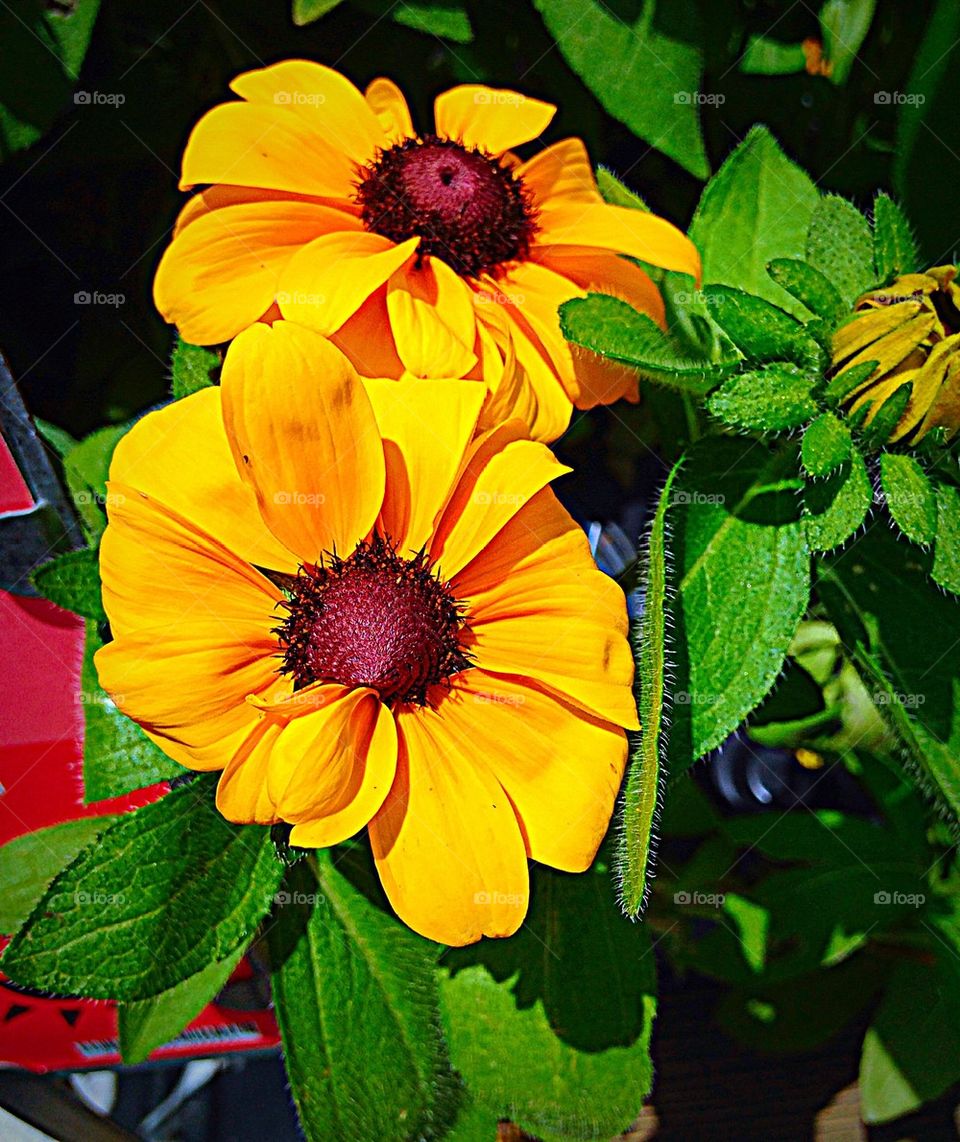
761 331
910 496
768 399
742 569
552 1027
610 326
772 57
44 46
894 248
844 383
946 556
145 1024
29 863
617 193
844 24
166 891
448 21
356 1000
911 1051
757 207
306 11
840 245
118 757
86 467
55 437
637 843
875 434
72 581
809 287
826 444
835 507
192 366
643 77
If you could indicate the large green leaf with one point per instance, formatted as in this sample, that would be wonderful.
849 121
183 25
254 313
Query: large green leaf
166 891
72 580
118 757
44 46
356 1000
145 1024
29 863
552 1027
757 207
742 573
911 1051
637 849
642 76
610 326
840 246
761 331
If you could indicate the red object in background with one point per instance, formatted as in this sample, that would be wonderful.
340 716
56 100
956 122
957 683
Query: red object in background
41 784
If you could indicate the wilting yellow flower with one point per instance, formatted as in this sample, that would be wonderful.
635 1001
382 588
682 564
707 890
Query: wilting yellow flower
434 255
329 590
912 330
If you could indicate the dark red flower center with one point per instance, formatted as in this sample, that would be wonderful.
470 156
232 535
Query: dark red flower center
374 619
464 206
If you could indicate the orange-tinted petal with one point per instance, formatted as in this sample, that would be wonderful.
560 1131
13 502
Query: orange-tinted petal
426 427
599 271
327 281
270 147
491 119
324 99
366 340
503 471
304 435
617 228
560 172
242 794
221 272
537 293
180 456
388 104
553 401
561 769
432 318
447 843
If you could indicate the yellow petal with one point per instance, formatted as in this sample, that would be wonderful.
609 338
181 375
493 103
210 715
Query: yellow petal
242 794
432 318
447 843
426 427
562 171
561 769
221 272
491 119
501 474
620 229
866 327
536 294
599 271
327 281
324 100
270 147
388 104
304 436
180 456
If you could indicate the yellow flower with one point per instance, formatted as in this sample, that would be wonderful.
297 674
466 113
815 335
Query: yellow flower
912 330
365 616
436 255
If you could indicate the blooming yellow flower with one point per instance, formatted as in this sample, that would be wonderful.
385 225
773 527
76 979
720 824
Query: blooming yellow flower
912 330
365 614
436 255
